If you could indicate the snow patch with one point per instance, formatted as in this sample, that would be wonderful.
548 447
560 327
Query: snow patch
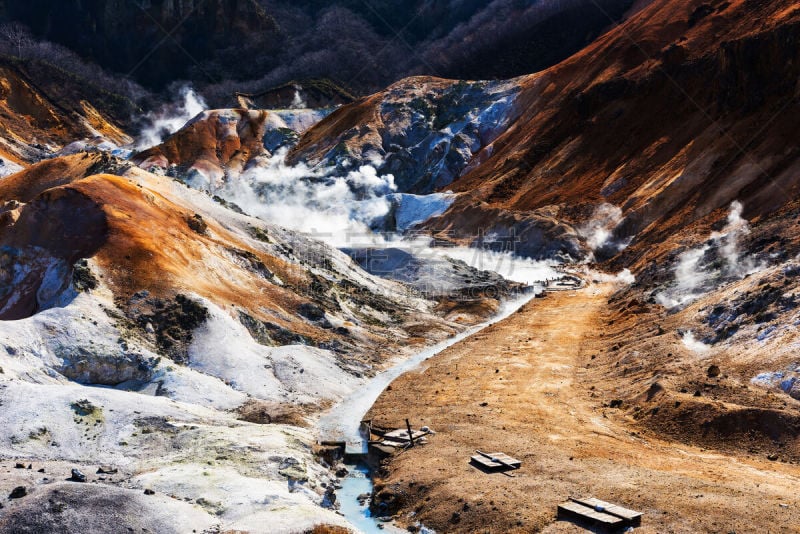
8 167
787 380
301 120
764 334
411 210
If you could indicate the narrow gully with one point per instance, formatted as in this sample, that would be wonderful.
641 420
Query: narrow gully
342 424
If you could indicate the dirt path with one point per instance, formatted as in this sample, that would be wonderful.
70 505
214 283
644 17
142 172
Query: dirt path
533 372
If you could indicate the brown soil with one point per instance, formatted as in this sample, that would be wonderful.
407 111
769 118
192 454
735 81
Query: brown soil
265 413
546 403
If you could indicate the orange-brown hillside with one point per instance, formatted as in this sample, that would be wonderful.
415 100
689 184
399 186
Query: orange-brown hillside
218 144
214 140
51 117
682 108
150 235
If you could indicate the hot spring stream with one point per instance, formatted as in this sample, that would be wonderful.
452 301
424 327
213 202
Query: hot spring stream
342 423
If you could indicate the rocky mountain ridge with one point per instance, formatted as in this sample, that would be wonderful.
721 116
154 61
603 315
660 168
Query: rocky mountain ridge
631 122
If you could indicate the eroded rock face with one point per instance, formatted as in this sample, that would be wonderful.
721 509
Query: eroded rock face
43 109
170 322
30 280
38 251
423 131
223 143
105 368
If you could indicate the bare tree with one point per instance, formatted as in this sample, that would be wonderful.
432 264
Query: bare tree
17 35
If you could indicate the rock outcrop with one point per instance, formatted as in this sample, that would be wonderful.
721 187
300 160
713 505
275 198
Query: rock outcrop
37 119
224 143
423 131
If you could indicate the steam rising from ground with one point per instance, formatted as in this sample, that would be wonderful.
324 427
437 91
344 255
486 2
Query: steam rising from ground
329 207
170 118
690 279
693 344
599 229
339 206
624 278
342 209
717 261
736 264
298 102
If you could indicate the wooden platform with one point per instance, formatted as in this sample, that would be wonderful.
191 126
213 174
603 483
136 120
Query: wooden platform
589 515
492 465
596 512
401 435
399 438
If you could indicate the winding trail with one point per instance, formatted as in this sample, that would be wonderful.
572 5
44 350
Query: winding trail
342 421
524 386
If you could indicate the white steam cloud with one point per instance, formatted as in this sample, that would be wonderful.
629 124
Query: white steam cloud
736 263
625 277
599 229
693 279
170 118
331 208
341 210
693 344
690 280
298 102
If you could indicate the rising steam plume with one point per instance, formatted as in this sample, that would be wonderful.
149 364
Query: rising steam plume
717 261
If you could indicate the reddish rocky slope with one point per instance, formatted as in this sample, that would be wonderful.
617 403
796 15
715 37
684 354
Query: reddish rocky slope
36 121
149 234
671 115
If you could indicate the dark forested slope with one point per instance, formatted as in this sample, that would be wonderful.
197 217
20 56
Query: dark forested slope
252 45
